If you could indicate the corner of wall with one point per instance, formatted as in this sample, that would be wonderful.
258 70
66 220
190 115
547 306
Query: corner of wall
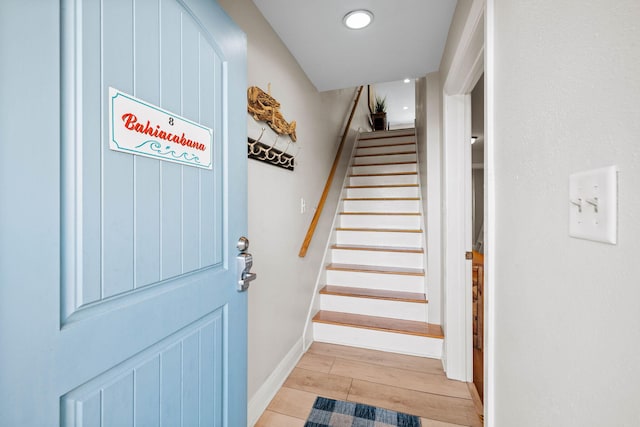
263 396
429 132
278 302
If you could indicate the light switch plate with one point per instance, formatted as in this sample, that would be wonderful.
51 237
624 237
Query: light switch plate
593 205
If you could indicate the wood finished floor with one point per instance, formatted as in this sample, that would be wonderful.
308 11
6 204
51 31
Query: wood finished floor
414 385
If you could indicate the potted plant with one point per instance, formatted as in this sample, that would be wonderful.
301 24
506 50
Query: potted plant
379 114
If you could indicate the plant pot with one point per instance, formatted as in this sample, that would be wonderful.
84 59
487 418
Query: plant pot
379 121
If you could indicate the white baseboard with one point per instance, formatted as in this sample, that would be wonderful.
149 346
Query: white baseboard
261 399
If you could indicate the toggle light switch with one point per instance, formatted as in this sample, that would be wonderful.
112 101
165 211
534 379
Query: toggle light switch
593 205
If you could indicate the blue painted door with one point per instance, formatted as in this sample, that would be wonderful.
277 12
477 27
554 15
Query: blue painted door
118 304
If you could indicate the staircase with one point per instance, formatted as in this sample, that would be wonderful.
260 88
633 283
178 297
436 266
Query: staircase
374 296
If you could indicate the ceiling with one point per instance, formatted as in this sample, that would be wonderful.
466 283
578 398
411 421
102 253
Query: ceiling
405 39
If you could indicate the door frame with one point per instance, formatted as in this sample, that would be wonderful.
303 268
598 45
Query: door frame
489 218
466 68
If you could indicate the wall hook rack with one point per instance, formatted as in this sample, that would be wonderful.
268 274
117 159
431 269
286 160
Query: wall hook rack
269 154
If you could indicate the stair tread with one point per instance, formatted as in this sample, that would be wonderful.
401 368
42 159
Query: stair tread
386 136
380 230
384 164
386 145
406 271
374 294
407 327
395 153
380 198
382 186
382 174
382 213
403 249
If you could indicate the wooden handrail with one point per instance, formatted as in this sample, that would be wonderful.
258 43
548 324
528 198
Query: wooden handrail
327 186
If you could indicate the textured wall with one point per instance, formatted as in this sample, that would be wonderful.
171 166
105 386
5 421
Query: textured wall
567 99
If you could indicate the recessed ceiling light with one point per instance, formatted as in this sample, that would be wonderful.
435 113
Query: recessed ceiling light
358 19
407 80
405 108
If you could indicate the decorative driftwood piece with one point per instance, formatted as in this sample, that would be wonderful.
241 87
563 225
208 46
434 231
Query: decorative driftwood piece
264 108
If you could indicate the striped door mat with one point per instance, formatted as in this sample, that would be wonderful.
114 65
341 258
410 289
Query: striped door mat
337 413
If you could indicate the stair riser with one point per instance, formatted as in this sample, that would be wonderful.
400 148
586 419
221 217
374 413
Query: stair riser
381 205
377 258
385 149
383 192
391 158
361 170
389 282
378 340
385 141
375 307
384 238
401 222
383 180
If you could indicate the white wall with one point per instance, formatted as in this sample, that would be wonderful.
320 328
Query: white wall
398 95
455 34
279 298
429 137
567 311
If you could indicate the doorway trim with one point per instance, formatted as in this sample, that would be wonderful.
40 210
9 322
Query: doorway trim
466 68
490 218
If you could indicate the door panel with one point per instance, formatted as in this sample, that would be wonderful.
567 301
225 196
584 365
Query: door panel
139 221
174 383
118 303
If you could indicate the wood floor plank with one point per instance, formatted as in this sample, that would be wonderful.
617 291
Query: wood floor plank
379 358
476 399
366 374
293 402
316 362
328 385
384 324
274 419
412 380
433 423
433 406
